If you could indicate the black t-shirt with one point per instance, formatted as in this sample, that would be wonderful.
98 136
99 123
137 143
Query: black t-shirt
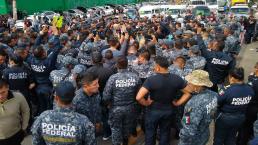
164 87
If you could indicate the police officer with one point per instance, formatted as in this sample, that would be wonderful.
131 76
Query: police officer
196 61
178 67
198 110
63 126
246 131
41 66
64 73
19 77
120 92
233 103
84 56
218 63
3 64
144 67
87 100
103 75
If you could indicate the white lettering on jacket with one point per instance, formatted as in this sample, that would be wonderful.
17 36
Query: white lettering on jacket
241 101
125 83
38 68
58 130
220 62
15 76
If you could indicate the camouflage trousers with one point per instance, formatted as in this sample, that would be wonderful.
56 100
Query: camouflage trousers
122 120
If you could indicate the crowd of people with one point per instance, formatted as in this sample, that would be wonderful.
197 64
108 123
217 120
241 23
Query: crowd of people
107 77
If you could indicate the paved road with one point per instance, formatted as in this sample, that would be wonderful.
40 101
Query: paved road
247 59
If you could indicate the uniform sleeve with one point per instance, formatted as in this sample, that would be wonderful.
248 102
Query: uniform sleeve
190 130
256 128
108 90
147 84
98 110
181 84
89 135
25 112
37 138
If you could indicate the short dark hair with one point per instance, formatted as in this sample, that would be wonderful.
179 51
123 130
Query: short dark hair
145 55
39 51
3 83
238 73
122 62
220 45
88 77
109 54
162 61
2 52
178 44
16 59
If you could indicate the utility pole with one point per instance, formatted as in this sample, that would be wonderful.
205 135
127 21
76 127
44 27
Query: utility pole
14 10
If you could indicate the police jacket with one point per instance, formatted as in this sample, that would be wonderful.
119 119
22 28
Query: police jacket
41 68
63 126
88 105
235 98
103 75
253 82
218 63
122 88
19 78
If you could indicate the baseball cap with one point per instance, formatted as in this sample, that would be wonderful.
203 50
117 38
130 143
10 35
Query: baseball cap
65 91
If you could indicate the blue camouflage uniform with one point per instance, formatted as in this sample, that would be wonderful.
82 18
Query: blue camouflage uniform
173 69
232 45
196 62
63 126
84 56
121 90
198 114
143 70
88 105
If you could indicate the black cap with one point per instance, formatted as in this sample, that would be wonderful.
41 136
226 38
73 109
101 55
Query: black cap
65 91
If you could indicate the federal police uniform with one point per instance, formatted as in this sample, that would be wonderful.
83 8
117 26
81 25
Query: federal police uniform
173 69
41 69
218 64
88 105
64 73
197 118
84 56
121 90
63 126
143 70
195 62
246 131
19 78
232 45
233 103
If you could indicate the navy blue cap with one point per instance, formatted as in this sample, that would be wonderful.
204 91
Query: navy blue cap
65 91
